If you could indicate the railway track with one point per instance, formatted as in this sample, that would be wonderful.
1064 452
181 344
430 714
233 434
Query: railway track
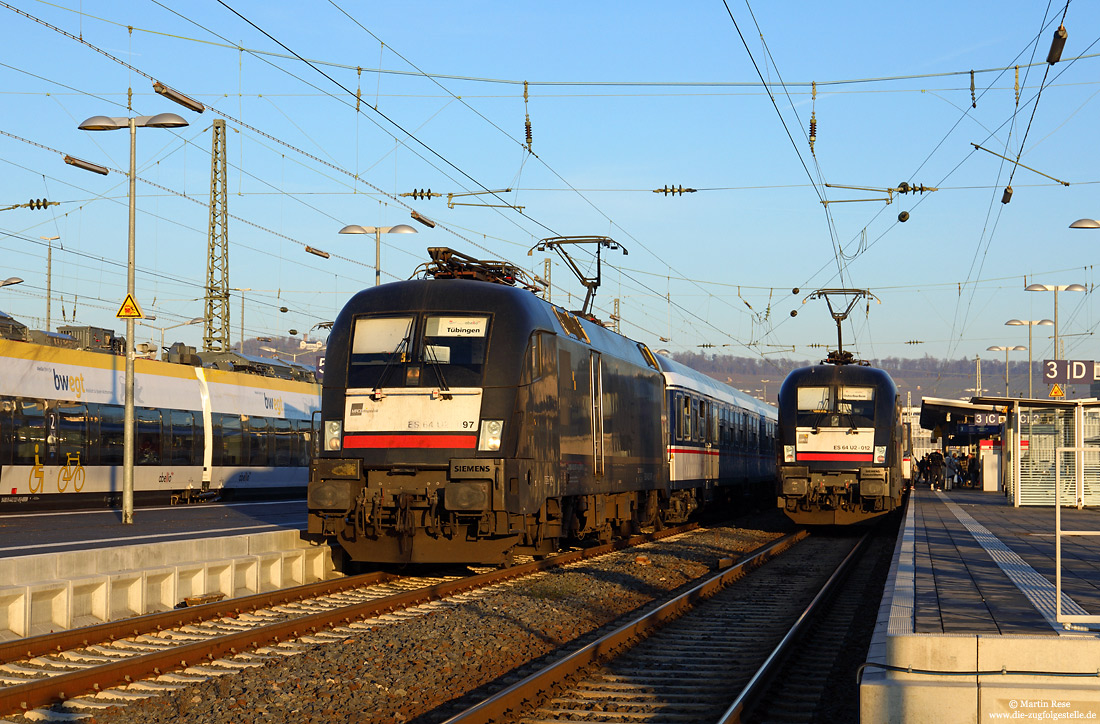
85 670
817 680
685 660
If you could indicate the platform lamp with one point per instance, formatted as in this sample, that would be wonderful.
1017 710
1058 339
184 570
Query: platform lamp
1006 350
1029 323
1055 288
1085 224
108 123
11 280
378 231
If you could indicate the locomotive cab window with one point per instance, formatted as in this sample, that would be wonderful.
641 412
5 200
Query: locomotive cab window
385 351
379 348
858 403
454 350
845 406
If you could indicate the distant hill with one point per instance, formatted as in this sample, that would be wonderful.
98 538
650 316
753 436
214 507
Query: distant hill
923 376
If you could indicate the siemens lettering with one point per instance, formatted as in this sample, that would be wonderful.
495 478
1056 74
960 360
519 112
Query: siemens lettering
69 383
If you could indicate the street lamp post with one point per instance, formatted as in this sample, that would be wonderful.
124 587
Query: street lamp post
1055 288
1029 323
11 280
105 123
162 330
378 231
1006 349
293 355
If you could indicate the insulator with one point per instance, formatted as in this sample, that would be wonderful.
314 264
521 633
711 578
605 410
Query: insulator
1056 45
528 126
903 187
1007 195
973 98
903 216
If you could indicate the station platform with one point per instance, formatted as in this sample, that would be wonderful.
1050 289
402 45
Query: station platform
967 630
64 570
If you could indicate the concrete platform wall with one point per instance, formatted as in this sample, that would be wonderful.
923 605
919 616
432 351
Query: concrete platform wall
56 591
912 678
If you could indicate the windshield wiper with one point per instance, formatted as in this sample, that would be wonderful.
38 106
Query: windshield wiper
399 349
430 358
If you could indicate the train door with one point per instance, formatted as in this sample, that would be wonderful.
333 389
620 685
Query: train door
709 419
596 391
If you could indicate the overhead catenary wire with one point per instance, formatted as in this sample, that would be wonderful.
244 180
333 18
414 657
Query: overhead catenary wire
706 285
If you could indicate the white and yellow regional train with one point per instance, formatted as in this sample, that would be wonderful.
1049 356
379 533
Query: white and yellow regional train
200 433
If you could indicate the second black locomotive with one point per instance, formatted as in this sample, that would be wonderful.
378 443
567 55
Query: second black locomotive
839 443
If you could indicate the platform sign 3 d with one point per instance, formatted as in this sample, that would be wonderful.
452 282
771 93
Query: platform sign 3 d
129 309
1070 371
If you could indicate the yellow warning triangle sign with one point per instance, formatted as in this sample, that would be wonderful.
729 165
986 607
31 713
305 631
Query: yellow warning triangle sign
1057 391
129 309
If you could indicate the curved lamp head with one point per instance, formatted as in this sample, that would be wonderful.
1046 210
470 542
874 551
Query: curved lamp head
165 120
107 123
1085 224
11 280
1055 288
1029 323
103 123
357 229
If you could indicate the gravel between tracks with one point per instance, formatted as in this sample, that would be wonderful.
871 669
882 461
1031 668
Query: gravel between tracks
428 669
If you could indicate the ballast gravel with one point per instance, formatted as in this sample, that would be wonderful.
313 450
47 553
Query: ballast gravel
428 668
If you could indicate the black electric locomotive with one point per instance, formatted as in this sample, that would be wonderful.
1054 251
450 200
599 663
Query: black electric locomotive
840 437
465 421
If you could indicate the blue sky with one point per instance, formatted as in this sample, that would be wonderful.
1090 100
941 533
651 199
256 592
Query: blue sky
623 98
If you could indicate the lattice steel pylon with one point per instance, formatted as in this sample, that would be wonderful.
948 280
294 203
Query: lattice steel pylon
216 331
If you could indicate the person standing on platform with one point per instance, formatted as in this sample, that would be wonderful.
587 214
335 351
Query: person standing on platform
936 468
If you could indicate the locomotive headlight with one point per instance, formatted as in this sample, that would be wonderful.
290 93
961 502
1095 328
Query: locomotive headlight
334 430
489 439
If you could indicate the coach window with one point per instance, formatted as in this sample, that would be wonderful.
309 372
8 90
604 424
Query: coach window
7 432
686 411
29 421
303 436
111 434
284 441
179 448
232 441
147 436
71 430
258 442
